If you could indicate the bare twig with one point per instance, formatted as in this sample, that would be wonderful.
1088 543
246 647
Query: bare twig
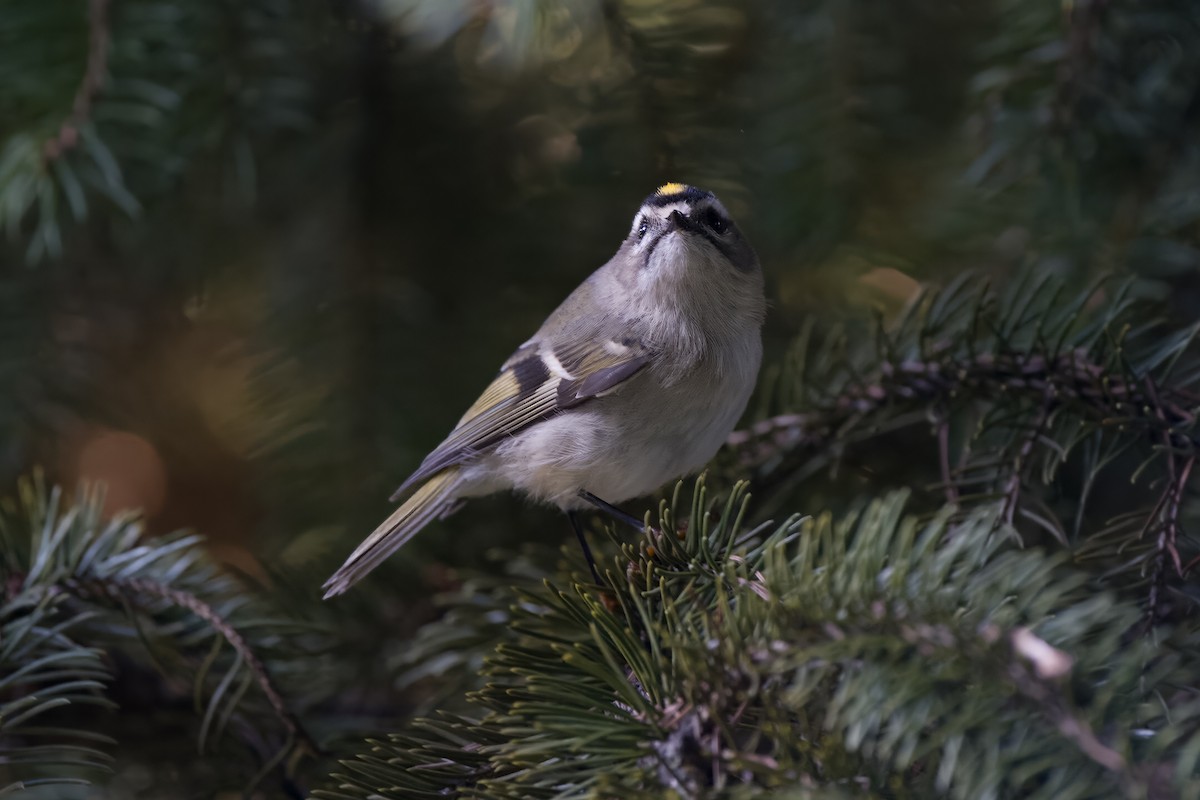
1173 513
943 437
1041 684
1012 487
1049 699
1168 535
1166 513
99 39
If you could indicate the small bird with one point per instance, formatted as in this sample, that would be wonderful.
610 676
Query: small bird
634 381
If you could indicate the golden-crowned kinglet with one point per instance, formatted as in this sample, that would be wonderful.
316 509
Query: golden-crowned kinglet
634 381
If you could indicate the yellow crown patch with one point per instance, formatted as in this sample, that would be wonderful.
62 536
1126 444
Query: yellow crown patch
671 188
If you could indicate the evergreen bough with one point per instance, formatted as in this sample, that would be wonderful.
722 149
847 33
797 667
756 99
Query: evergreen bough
876 655
998 601
82 592
1004 641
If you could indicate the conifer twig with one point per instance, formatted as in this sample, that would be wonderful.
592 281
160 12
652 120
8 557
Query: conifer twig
1012 489
110 587
943 437
1167 510
1068 724
1070 377
99 39
1168 533
1049 664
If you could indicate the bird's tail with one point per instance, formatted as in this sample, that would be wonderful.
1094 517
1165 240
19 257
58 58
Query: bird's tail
435 498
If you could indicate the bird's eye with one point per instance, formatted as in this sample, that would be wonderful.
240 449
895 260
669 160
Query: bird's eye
642 228
714 220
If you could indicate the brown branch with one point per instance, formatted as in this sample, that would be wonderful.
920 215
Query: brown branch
1166 511
1036 673
1035 669
1040 685
1168 535
1012 488
1101 395
943 437
99 39
1111 399
1069 725
109 587
1173 512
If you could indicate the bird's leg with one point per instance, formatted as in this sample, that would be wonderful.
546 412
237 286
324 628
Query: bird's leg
583 542
614 512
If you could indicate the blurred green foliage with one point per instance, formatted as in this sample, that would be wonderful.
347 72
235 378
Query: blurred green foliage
257 256
287 240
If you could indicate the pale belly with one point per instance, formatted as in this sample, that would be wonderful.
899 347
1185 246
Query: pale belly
619 447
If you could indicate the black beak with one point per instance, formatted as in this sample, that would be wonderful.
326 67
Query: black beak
677 219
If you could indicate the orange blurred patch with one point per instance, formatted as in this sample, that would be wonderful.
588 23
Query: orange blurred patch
891 282
128 465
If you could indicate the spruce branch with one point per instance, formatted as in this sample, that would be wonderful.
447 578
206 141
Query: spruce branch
1033 384
916 659
45 674
105 590
99 40
943 439
1109 399
1044 686
1012 487
141 117
1172 497
1037 671
116 588
1168 532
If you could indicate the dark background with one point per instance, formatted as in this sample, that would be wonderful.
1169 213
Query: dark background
260 255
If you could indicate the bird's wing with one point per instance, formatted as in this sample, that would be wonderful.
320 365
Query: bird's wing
536 382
